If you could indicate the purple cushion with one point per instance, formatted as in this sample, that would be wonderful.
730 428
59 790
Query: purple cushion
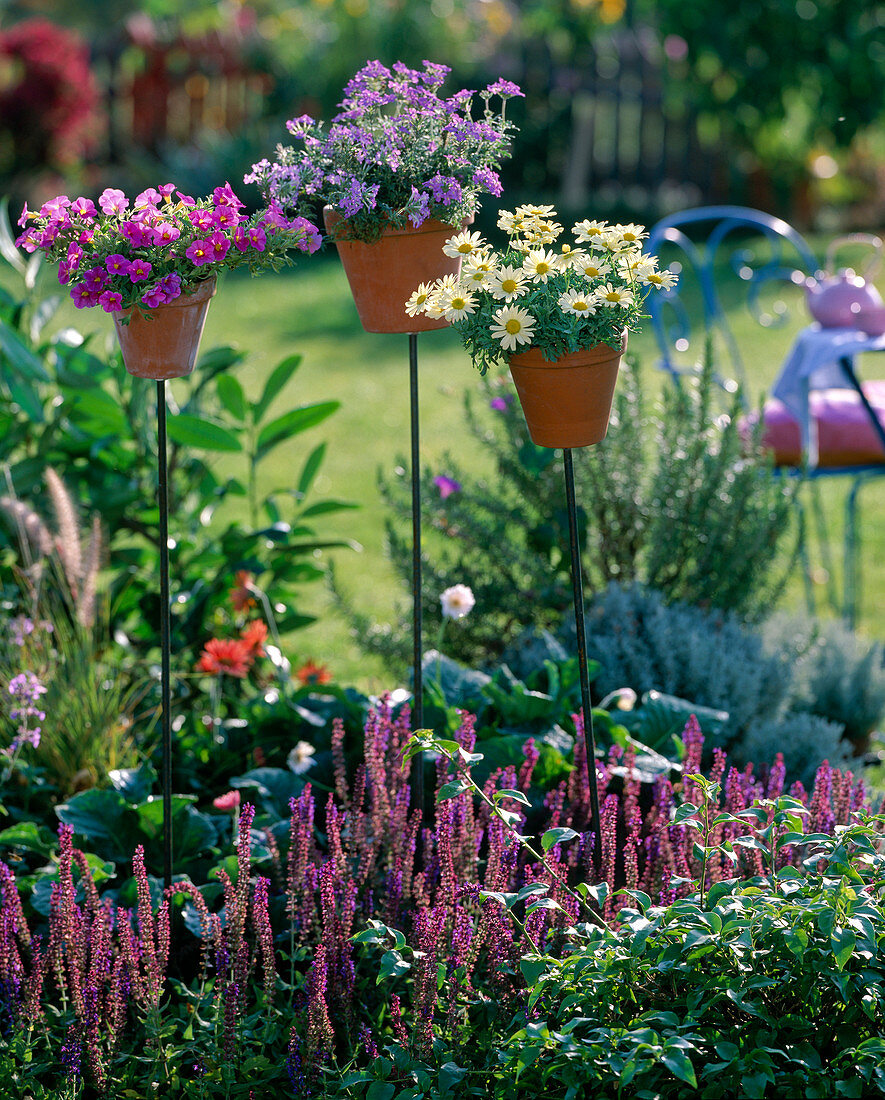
846 435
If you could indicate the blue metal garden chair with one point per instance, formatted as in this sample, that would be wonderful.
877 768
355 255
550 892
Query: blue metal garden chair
757 265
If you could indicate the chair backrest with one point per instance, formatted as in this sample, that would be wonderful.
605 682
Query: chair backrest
722 253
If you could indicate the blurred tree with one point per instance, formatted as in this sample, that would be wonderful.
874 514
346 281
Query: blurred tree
784 80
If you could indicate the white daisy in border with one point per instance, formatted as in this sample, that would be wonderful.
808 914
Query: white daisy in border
536 211
577 302
457 305
539 264
508 283
513 326
510 222
464 244
417 303
608 295
589 231
571 256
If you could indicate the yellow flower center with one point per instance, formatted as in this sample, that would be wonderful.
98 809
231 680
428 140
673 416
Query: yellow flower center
509 285
465 247
579 304
459 303
513 326
542 268
613 296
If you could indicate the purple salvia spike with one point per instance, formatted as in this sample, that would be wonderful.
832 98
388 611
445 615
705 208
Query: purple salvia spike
338 765
154 980
264 932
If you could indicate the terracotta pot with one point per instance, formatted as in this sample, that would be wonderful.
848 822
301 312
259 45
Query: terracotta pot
383 275
567 401
164 344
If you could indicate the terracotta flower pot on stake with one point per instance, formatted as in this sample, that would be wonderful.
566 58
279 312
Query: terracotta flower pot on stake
160 346
382 275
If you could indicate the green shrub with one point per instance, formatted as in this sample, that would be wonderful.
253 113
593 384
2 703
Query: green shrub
667 499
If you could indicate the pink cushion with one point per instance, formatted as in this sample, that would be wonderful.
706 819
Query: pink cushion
846 435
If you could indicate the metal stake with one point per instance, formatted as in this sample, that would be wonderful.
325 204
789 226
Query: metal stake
417 776
165 636
578 594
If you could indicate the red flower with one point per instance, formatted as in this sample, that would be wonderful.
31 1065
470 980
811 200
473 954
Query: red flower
241 594
254 634
219 655
313 673
229 801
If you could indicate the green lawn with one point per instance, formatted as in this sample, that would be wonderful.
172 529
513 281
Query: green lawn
308 310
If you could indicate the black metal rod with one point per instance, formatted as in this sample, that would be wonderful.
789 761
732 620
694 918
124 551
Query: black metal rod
165 635
417 776
578 594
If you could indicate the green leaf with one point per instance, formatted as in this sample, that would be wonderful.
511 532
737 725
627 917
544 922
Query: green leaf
291 423
508 792
451 790
842 941
380 1090
20 355
231 395
679 1064
311 468
192 431
279 376
557 836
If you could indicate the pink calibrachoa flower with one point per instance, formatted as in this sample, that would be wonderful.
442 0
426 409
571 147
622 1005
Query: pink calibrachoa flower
83 298
111 301
219 246
227 802
139 270
199 253
117 264
112 201
95 280
171 286
166 233
153 297
203 219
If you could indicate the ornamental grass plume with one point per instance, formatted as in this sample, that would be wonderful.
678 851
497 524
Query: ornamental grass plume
161 245
535 295
397 154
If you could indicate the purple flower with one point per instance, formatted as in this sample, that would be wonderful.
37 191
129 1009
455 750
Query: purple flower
112 201
83 297
171 286
312 238
224 196
488 180
219 246
138 235
84 208
199 253
95 279
153 297
139 270
505 88
111 301
166 233
418 207
501 404
117 264
446 486
256 238
203 219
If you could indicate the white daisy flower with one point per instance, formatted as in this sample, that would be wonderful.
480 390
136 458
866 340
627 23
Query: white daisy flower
479 271
593 267
513 326
510 223
630 234
578 302
589 231
508 283
539 264
300 759
457 601
464 244
608 295
418 301
649 275
457 305
538 211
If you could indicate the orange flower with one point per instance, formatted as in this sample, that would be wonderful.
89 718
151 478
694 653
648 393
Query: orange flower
220 655
312 673
254 634
241 595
